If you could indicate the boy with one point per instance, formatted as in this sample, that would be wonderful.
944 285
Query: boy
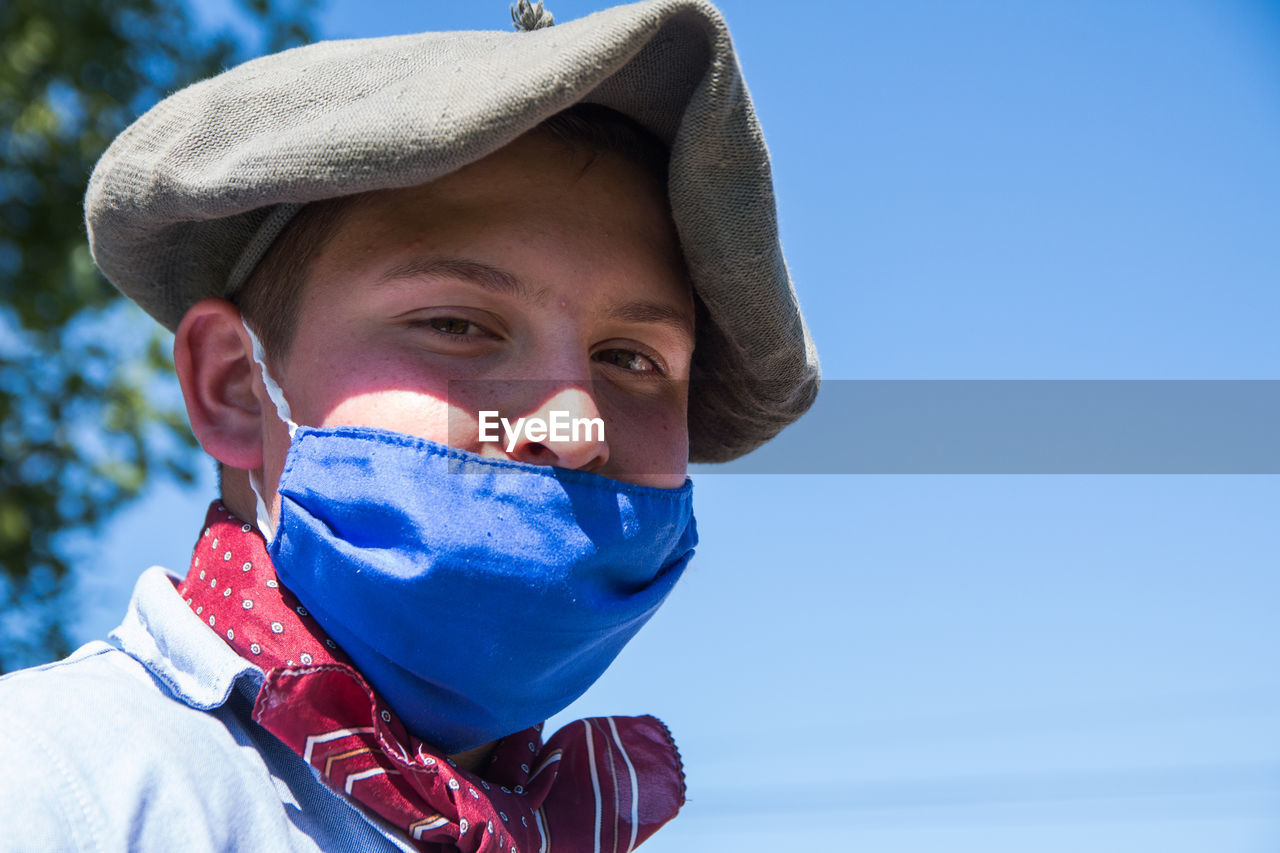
368 251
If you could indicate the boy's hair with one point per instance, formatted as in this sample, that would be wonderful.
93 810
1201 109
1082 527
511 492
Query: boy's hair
271 297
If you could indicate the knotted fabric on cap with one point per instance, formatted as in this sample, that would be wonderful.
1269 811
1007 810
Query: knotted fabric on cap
603 783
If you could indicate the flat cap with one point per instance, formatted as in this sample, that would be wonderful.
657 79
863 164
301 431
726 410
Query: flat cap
188 198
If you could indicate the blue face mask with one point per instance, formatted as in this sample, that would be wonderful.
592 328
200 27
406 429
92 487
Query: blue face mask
477 596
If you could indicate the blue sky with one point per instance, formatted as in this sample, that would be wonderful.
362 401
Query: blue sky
976 190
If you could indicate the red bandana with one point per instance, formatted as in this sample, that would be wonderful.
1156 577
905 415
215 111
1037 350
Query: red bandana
604 783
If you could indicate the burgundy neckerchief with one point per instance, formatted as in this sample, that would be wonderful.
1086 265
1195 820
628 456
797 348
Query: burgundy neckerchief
599 784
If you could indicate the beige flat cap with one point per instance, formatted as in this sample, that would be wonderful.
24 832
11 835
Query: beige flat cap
188 198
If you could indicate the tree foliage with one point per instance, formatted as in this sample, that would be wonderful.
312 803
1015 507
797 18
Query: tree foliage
80 431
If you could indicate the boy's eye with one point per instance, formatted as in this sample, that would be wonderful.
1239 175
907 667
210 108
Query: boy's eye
454 326
627 360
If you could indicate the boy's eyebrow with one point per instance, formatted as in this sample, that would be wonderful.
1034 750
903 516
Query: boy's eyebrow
486 276
644 311
500 281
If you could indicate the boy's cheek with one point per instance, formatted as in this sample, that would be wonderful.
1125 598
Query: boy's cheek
419 413
651 451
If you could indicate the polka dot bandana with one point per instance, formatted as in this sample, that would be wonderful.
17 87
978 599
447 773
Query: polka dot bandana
604 783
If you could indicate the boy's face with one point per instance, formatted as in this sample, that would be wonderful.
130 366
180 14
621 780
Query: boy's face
539 279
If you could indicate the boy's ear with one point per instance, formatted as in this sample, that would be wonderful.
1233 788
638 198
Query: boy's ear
213 356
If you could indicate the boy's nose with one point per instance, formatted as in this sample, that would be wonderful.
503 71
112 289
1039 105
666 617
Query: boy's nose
566 430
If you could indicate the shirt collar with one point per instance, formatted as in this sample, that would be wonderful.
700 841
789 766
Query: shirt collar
161 632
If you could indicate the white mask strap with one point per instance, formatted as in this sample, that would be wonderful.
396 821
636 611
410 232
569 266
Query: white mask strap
276 393
265 527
